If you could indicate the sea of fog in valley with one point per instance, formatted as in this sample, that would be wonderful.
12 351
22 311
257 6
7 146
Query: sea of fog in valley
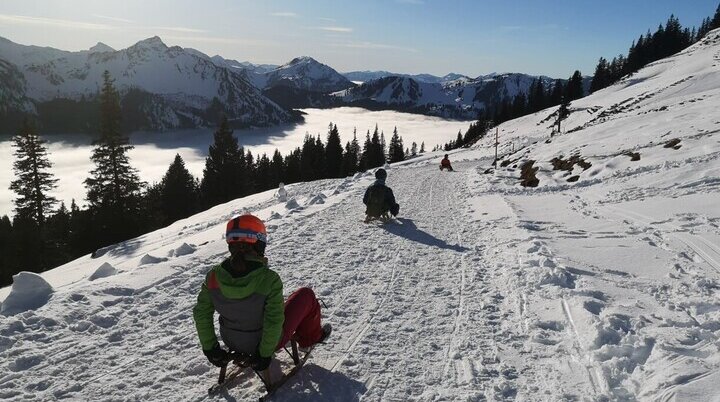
154 151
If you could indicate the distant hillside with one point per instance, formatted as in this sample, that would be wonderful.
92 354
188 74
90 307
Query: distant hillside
162 88
460 98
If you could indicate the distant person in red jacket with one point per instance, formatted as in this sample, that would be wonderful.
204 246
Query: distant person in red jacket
445 164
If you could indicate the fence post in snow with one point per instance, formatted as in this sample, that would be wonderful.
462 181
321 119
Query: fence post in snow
496 146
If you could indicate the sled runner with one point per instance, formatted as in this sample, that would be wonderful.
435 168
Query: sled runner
383 218
241 361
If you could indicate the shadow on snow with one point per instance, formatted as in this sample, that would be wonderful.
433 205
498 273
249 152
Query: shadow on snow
408 230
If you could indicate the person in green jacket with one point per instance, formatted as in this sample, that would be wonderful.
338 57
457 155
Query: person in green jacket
248 296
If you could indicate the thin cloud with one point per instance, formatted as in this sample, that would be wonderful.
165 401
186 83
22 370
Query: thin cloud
27 20
327 19
371 45
287 14
221 40
335 29
116 19
180 29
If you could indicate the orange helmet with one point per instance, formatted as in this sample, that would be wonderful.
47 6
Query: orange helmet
245 229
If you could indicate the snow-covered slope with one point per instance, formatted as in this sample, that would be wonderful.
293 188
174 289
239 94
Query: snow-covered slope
602 289
183 81
12 89
460 97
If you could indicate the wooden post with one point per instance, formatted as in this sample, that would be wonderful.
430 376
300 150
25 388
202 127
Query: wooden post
496 146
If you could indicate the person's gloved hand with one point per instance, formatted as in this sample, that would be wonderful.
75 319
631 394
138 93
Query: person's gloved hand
217 356
260 363
395 210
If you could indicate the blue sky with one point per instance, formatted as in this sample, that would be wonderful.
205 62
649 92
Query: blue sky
471 37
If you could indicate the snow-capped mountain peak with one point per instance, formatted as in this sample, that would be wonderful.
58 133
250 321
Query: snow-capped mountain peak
101 48
150 43
172 86
308 74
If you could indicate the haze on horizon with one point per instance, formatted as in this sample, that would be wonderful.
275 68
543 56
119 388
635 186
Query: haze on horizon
551 38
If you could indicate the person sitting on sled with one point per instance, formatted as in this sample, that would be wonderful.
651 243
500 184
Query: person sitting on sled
248 296
445 164
380 199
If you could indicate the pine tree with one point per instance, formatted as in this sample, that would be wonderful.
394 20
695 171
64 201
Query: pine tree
356 150
277 173
519 105
536 96
574 88
8 260
376 156
250 168
556 94
292 169
396 151
459 140
351 156
563 112
422 147
113 188
333 154
413 149
59 237
601 79
223 176
310 168
383 145
33 181
81 230
262 174
179 192
715 22
366 153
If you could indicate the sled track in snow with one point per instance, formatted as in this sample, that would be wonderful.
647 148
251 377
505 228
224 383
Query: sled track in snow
369 323
597 380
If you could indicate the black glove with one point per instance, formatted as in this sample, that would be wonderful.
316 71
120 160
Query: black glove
395 209
217 356
260 363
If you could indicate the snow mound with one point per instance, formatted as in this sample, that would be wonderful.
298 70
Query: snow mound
149 259
29 291
274 215
292 204
184 249
318 199
103 271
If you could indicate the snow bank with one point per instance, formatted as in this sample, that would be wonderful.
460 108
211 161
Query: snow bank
149 259
292 204
29 291
184 249
318 199
103 271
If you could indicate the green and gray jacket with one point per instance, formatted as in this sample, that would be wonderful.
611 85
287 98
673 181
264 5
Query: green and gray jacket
251 309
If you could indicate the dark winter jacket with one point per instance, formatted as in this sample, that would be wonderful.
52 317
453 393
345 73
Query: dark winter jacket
389 204
251 309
